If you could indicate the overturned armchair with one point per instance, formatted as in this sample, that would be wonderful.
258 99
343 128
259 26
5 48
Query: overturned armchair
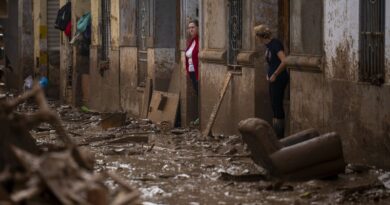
302 156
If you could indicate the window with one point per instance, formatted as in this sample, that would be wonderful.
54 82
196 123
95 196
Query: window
105 29
235 31
372 25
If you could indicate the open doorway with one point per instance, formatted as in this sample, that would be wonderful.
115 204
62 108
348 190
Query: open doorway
53 49
190 99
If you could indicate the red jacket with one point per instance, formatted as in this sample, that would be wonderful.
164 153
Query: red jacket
195 52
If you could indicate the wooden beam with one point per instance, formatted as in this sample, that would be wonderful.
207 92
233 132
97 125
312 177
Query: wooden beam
216 107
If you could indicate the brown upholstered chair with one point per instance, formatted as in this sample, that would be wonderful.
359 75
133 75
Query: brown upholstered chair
302 156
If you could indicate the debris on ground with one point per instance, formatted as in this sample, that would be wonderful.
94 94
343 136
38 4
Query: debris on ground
385 179
167 166
60 177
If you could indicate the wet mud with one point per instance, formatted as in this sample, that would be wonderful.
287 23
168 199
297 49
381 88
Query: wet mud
180 167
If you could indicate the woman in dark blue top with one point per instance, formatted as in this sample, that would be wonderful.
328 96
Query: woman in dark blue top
277 75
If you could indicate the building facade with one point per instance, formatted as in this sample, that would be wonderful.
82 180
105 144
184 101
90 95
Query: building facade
17 26
340 69
147 40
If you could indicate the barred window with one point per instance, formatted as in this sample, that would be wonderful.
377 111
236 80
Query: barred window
235 31
105 29
372 25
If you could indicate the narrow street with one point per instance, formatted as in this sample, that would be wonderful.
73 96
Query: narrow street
155 102
180 167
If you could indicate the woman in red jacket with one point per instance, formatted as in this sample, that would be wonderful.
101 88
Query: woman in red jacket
192 61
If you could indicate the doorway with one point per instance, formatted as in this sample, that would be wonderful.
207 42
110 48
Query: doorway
190 101
53 49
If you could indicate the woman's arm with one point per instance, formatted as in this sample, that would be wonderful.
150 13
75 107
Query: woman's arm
281 67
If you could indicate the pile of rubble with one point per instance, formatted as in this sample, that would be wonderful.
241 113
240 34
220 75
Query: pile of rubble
30 176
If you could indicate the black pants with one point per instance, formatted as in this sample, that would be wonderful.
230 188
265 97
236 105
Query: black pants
194 81
276 92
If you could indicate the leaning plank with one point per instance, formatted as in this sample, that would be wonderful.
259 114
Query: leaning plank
146 98
216 107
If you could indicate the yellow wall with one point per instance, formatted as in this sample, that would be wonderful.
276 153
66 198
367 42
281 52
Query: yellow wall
95 12
40 33
114 24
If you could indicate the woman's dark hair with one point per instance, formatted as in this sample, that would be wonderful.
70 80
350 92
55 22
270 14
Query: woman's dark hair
194 21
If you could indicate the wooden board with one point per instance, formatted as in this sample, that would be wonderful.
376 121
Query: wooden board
146 98
216 107
163 107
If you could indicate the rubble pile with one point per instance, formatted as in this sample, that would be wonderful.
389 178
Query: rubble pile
30 176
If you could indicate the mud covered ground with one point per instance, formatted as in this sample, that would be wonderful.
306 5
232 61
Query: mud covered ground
180 167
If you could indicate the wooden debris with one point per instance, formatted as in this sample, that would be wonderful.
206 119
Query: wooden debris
130 139
163 107
63 177
146 98
110 120
216 107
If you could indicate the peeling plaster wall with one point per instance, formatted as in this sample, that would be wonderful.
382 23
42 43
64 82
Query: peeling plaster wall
164 63
238 103
341 39
334 100
128 80
215 23
247 93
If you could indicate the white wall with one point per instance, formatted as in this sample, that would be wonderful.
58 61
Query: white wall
341 39
341 34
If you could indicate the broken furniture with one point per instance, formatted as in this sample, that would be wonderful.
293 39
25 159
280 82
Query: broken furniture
302 156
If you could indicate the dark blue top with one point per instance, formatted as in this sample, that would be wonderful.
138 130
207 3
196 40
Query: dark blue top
271 56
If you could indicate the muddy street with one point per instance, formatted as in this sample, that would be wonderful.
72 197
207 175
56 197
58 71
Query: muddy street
178 166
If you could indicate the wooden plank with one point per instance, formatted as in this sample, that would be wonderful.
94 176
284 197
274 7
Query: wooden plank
146 98
130 139
110 120
216 107
168 112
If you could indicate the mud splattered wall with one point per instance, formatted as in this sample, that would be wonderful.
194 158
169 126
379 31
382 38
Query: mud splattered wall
332 98
246 95
341 39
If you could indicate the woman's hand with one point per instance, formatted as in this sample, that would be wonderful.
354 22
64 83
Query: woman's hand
272 78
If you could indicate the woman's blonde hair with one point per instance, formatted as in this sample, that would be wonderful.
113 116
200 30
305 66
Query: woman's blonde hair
263 31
